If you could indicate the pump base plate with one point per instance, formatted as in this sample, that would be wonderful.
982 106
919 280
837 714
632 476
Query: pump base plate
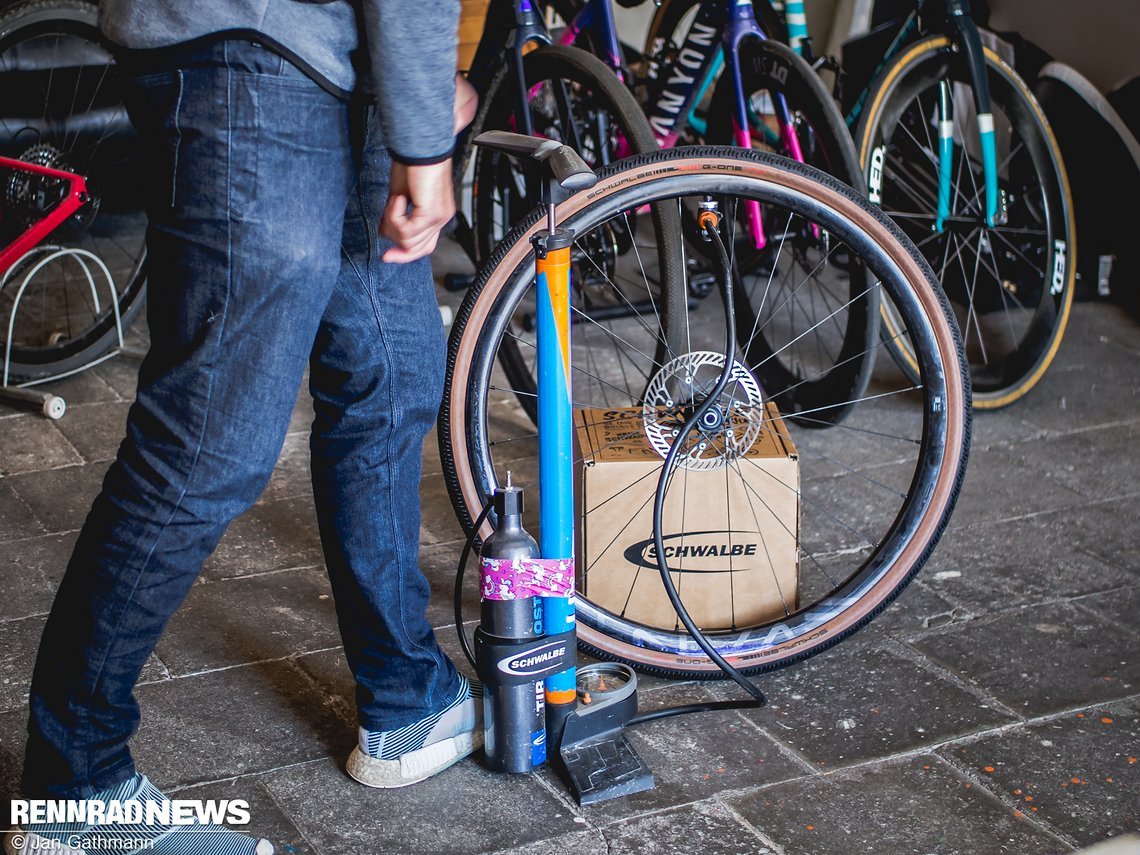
605 768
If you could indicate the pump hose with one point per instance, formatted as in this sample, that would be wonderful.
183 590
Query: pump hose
756 697
709 225
463 556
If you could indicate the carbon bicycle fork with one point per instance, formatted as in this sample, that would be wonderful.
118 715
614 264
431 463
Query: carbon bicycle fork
958 12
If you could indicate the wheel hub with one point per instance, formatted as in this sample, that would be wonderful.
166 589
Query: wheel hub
29 196
726 431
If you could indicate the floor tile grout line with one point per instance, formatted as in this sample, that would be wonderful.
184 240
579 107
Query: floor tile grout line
70 444
1109 562
225 779
731 793
655 811
1084 503
972 614
921 584
920 660
204 580
82 462
257 779
775 847
31 513
264 500
1054 433
12 620
1089 610
339 707
460 541
39 536
977 736
1045 433
15 618
294 821
786 750
985 618
672 684
931 749
164 666
1037 822
564 799
287 658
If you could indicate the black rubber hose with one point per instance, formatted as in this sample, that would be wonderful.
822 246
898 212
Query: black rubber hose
459 573
709 402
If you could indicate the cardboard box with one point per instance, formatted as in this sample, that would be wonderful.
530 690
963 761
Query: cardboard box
734 555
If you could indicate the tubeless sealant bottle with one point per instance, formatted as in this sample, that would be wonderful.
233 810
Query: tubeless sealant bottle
514 716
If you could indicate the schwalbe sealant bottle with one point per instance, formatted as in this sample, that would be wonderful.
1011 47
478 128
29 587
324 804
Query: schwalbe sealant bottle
514 716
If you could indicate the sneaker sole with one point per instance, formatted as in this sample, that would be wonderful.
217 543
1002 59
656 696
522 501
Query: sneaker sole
415 766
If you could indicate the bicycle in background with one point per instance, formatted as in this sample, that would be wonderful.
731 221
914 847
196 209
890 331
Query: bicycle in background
72 224
954 146
717 77
952 143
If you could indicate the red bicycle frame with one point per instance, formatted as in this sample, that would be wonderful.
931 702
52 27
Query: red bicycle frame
34 234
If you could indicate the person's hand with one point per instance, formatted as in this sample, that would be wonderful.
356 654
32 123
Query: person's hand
466 102
420 203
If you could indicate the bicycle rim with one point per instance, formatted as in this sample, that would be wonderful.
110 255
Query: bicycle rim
874 492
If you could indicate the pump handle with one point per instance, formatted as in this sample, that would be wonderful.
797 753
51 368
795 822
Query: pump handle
565 165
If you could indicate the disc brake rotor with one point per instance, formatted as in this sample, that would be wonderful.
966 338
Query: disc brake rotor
726 432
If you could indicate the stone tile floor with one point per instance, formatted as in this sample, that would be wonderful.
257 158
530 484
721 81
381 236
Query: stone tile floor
994 708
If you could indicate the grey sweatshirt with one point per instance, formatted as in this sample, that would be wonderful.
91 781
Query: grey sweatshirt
404 51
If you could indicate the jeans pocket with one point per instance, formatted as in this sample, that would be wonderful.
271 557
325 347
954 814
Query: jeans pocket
154 102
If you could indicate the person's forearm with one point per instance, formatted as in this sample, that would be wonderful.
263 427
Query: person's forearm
412 45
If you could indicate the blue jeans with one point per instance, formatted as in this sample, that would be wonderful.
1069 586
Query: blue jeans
265 197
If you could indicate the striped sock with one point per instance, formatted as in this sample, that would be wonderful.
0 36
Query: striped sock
460 716
200 839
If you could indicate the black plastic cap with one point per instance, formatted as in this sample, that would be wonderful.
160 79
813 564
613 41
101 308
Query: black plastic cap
508 501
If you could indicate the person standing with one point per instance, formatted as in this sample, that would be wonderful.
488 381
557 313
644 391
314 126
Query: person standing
298 177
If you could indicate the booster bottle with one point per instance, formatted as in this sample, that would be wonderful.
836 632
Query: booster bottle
514 716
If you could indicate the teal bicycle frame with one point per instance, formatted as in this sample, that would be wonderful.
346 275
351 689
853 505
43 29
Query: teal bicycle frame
966 37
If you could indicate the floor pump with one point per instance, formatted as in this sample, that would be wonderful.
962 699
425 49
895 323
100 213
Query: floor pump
536 701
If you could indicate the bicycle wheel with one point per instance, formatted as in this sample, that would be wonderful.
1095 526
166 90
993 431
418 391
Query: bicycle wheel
872 495
63 109
574 98
830 361
1011 285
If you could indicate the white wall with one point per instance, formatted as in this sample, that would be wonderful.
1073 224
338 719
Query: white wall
1099 38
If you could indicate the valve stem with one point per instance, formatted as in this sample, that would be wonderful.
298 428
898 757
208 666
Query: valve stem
708 217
